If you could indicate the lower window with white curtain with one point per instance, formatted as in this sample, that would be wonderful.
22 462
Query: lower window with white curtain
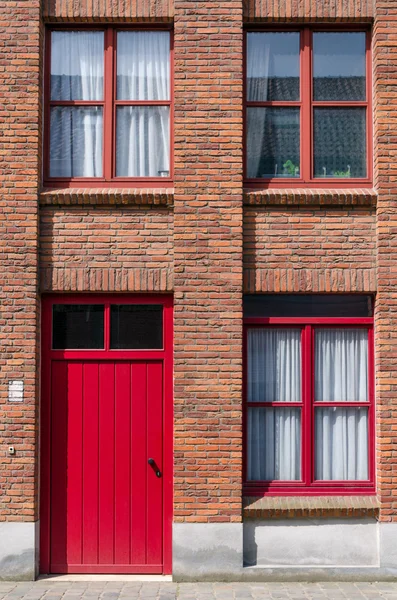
309 405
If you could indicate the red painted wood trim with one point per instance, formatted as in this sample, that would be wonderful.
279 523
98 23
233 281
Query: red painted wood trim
308 486
307 104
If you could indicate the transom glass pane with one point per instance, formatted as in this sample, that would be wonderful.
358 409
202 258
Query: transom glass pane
274 365
341 365
136 326
273 66
143 65
273 142
339 66
143 141
77 64
274 444
76 135
77 326
340 142
341 444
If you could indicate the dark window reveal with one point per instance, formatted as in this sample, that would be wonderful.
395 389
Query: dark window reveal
308 305
78 326
136 327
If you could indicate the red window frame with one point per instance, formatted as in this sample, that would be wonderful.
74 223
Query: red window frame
109 104
307 106
308 486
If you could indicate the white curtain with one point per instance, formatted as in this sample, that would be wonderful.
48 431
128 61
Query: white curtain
274 365
76 141
143 65
143 132
341 439
341 375
274 375
274 442
77 59
341 359
142 141
76 132
258 55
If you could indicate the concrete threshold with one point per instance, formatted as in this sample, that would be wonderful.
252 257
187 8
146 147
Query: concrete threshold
126 578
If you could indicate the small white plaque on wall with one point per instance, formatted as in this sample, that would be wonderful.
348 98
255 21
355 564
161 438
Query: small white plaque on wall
15 391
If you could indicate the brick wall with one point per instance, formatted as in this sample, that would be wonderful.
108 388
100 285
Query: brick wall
208 260
309 10
20 36
119 248
107 10
106 249
385 57
290 249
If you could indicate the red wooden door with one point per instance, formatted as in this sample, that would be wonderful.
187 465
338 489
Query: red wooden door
106 500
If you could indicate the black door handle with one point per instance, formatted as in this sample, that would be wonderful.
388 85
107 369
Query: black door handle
152 463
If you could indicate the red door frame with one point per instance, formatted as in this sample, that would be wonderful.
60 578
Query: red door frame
166 355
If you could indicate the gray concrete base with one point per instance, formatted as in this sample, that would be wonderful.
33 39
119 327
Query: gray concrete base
311 542
19 543
207 551
290 550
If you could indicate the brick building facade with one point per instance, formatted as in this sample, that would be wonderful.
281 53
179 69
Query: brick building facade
213 244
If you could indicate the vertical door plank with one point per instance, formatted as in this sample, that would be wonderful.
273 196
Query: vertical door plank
90 463
122 462
59 387
75 463
155 450
106 463
139 463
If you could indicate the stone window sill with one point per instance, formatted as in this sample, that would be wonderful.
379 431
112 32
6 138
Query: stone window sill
293 507
107 197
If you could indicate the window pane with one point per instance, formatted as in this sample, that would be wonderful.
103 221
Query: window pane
76 141
134 326
77 326
77 65
274 365
340 142
273 142
143 141
274 442
143 65
273 66
341 438
341 365
339 66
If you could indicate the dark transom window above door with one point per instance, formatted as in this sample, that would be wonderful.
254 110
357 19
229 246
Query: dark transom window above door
114 326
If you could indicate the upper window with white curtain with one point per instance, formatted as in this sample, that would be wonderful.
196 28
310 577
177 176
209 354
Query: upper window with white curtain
308 115
109 105
309 404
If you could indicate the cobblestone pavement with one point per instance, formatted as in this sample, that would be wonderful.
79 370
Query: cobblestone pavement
51 590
